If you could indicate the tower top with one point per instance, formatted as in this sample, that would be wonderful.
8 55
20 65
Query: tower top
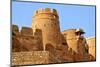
46 11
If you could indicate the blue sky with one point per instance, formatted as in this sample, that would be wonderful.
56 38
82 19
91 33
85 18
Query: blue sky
71 16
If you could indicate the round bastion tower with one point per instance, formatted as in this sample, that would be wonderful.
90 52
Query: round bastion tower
47 20
76 41
71 39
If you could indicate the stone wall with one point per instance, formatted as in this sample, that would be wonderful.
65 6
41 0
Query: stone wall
26 31
24 40
29 58
71 39
92 46
75 42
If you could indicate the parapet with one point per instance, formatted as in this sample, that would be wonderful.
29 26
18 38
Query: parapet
70 33
68 30
26 31
46 10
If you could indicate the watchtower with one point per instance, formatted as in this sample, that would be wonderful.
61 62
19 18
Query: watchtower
47 20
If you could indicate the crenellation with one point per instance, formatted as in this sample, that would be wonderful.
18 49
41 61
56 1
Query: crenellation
26 31
40 10
46 11
24 40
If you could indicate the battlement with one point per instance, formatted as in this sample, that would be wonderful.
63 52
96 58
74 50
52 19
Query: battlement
46 11
26 31
69 34
68 31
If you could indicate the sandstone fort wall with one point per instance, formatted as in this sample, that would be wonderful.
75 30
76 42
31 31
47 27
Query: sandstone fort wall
92 46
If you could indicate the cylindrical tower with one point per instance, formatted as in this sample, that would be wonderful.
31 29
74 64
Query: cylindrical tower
75 41
71 39
48 21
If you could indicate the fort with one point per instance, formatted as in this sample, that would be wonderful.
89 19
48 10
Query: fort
44 43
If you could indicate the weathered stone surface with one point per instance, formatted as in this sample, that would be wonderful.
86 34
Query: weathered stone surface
29 58
92 47
15 44
27 31
26 43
